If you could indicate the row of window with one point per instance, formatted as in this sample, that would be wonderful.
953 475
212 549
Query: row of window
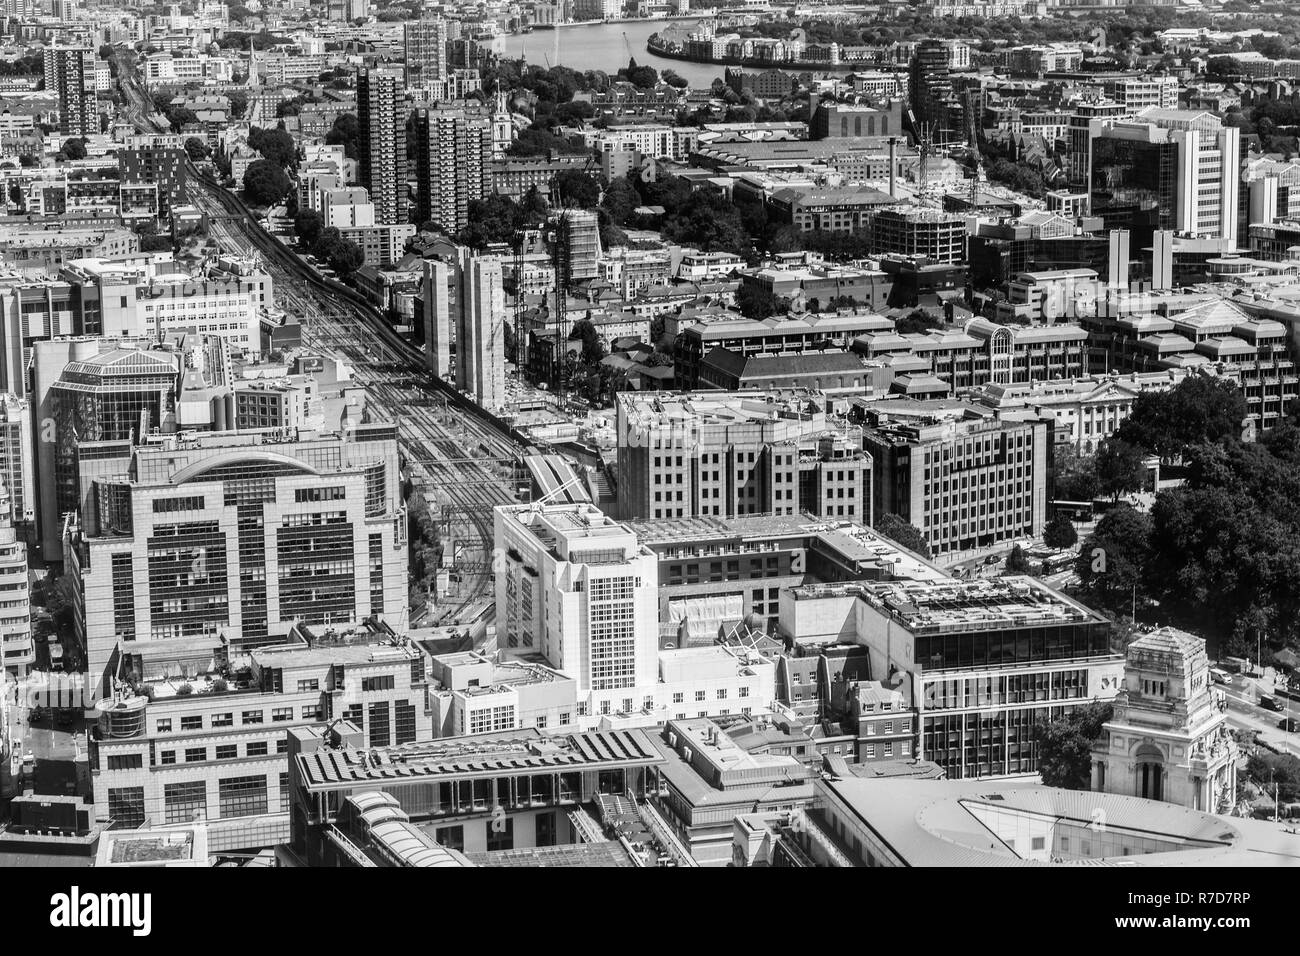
254 748
278 715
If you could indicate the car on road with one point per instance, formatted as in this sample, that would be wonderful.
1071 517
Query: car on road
1289 724
1269 702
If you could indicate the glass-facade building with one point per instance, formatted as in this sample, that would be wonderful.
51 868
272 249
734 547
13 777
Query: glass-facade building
992 659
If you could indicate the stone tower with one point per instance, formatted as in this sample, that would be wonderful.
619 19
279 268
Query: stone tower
1168 739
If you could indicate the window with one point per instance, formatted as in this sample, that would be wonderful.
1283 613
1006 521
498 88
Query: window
699 695
502 838
166 757
184 802
256 748
541 723
385 682
744 691
871 750
722 693
223 720
310 712
163 726
282 746
404 723
227 751
196 754
1037 843
252 717
242 796
565 718
678 697
379 724
282 713
126 762
307 685
126 806
193 722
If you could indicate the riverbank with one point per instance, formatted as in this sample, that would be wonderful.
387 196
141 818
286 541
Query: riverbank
809 66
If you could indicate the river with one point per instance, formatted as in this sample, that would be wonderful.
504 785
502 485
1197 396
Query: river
602 46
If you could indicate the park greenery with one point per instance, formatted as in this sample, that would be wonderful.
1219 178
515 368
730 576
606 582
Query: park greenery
1219 553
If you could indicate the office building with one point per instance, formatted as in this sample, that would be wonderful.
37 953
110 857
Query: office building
1166 170
1169 738
219 753
93 390
424 44
964 483
988 659
381 116
187 545
982 352
729 454
484 796
453 164
70 75
578 592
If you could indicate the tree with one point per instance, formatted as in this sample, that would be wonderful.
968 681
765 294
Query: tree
179 117
1075 476
918 320
593 350
1018 562
196 149
1065 745
345 132
17 197
1059 533
238 100
307 226
265 183
74 148
758 302
902 533
1113 558
345 257
1266 769
275 144
1199 409
575 188
1120 468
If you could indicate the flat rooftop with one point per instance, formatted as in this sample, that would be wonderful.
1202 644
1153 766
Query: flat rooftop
951 604
975 823
457 758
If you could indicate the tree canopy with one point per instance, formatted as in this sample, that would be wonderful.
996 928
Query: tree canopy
1198 409
265 183
1065 745
900 532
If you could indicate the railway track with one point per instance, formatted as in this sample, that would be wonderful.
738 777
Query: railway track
339 320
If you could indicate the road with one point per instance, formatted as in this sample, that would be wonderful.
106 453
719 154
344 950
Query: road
464 470
1245 714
